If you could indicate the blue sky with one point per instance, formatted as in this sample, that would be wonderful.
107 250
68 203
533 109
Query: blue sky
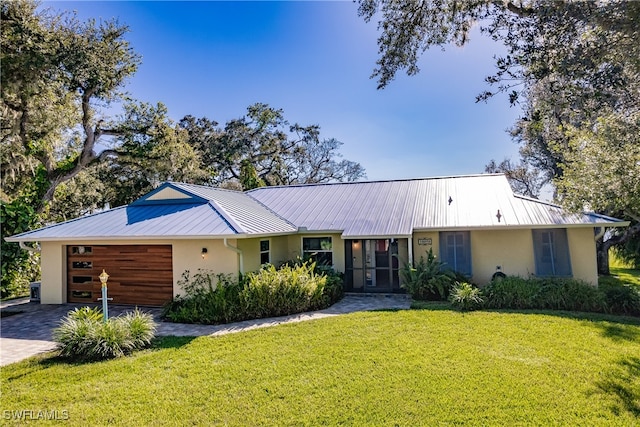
313 60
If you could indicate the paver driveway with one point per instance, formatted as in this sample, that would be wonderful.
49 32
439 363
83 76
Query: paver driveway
29 332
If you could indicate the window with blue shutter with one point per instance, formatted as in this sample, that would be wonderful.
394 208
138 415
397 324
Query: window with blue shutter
551 251
455 251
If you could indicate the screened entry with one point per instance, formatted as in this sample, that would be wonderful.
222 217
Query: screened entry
372 265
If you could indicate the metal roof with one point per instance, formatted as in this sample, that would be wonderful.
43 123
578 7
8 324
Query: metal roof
204 213
397 208
357 210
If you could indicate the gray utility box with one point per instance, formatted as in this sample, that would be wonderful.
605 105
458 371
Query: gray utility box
35 292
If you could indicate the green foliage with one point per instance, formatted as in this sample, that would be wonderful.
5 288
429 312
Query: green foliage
466 297
83 336
86 314
562 294
277 292
428 279
270 292
209 299
263 148
19 267
512 292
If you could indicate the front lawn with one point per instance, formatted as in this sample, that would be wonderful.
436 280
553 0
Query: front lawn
413 367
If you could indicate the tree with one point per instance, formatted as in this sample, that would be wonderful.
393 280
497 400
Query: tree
263 148
571 65
56 70
523 179
602 172
145 159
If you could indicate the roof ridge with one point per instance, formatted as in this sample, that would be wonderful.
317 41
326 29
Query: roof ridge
319 184
271 210
226 217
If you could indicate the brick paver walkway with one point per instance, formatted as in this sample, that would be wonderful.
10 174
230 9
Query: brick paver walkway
28 333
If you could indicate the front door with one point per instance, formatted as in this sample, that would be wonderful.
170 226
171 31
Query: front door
371 265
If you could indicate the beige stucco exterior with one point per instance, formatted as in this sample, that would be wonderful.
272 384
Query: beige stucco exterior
187 255
582 250
512 250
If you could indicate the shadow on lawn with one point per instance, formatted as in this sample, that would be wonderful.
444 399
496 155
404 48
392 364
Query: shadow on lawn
615 327
623 383
158 343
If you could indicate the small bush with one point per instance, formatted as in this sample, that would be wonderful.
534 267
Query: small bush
427 279
82 335
465 297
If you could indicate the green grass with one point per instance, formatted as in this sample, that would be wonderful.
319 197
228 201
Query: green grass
621 273
413 367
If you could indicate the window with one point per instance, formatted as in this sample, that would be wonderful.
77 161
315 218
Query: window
551 251
265 254
81 250
319 249
455 251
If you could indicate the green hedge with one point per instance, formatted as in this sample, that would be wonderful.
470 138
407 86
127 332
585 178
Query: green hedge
560 294
216 298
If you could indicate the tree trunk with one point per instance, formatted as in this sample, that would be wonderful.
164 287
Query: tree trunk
602 249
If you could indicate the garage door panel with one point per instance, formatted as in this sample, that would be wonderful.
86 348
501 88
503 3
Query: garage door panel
138 274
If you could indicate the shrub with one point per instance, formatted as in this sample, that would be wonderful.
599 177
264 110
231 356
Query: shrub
621 298
293 288
277 292
544 293
209 299
569 294
511 292
82 335
427 280
466 297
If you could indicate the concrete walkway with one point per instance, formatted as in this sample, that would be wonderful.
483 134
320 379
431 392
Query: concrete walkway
29 332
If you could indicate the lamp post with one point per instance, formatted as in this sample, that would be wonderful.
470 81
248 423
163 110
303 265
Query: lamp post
105 308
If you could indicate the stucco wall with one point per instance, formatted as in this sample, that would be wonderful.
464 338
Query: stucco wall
187 256
582 250
512 250
422 250
53 264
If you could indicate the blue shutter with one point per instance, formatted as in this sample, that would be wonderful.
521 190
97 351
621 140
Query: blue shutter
551 252
455 251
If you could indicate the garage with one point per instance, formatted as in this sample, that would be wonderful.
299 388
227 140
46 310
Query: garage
138 274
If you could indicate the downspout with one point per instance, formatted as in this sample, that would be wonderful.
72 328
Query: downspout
600 233
411 251
238 251
35 250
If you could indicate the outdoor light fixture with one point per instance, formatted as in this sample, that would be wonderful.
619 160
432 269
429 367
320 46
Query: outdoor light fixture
204 253
103 277
105 308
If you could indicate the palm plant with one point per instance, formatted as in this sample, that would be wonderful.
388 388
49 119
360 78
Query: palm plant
427 279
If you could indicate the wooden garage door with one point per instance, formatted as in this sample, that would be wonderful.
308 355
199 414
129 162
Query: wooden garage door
138 274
